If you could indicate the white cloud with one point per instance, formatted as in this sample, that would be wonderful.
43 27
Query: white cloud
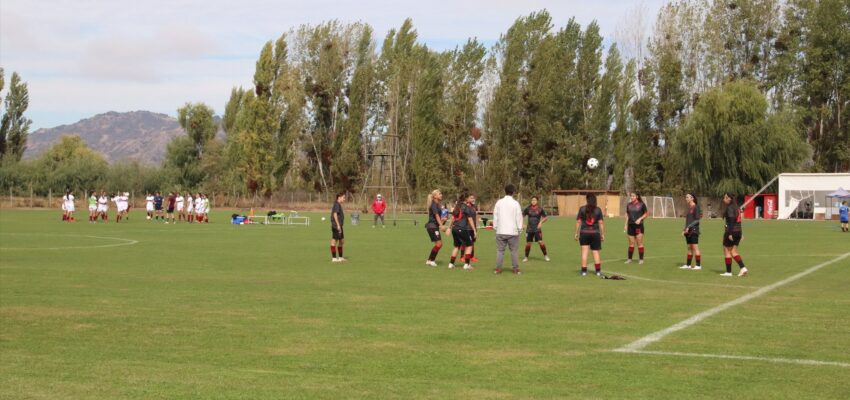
99 55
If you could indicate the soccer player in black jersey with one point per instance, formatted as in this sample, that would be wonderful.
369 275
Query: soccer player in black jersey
635 214
691 232
337 235
435 222
732 235
463 230
590 233
534 231
475 209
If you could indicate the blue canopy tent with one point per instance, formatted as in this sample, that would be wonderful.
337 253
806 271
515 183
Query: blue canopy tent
833 201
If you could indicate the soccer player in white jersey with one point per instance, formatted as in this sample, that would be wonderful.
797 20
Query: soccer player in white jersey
181 202
125 200
200 207
68 206
190 207
149 205
103 206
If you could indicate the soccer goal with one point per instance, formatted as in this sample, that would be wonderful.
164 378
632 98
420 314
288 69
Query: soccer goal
795 197
663 207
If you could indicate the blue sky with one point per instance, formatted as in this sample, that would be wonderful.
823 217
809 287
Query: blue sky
85 57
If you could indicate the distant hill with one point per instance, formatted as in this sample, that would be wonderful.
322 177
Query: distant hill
135 135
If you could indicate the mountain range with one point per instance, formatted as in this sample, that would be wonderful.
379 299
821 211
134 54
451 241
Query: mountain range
119 136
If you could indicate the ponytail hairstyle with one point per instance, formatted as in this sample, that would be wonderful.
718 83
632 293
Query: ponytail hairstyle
639 198
432 195
590 208
693 196
459 204
67 194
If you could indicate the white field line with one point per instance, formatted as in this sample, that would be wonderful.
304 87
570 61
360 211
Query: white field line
124 242
641 343
747 358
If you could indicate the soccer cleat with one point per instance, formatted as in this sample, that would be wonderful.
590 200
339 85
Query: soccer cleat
726 274
547 258
743 272
334 259
451 266
342 259
525 259
517 271
629 261
598 273
583 273
696 268
468 267
497 271
473 259
640 262
686 266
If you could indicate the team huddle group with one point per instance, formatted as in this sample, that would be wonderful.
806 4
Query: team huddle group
508 222
188 208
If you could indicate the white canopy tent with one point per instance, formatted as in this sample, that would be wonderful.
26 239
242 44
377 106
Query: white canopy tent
796 191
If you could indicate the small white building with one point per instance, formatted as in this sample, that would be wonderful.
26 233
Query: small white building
805 195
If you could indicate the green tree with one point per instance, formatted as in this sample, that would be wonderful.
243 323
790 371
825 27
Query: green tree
731 143
508 120
348 165
428 140
198 121
70 164
824 82
259 124
182 163
14 126
461 71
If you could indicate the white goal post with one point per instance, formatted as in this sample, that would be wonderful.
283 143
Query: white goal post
662 207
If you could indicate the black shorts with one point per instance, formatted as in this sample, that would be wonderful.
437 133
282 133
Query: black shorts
594 240
158 208
736 239
692 238
635 229
533 236
170 210
844 221
337 234
462 237
433 233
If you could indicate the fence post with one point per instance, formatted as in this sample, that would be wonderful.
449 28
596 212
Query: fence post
11 204
31 200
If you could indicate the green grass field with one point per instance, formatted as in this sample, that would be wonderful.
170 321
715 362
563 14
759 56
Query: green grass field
147 310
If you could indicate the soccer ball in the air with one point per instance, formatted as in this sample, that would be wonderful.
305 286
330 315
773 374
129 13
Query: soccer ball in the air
592 163
323 218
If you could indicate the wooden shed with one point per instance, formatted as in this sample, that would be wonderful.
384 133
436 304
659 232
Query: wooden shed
569 201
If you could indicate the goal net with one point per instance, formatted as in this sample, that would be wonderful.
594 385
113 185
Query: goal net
795 209
662 207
